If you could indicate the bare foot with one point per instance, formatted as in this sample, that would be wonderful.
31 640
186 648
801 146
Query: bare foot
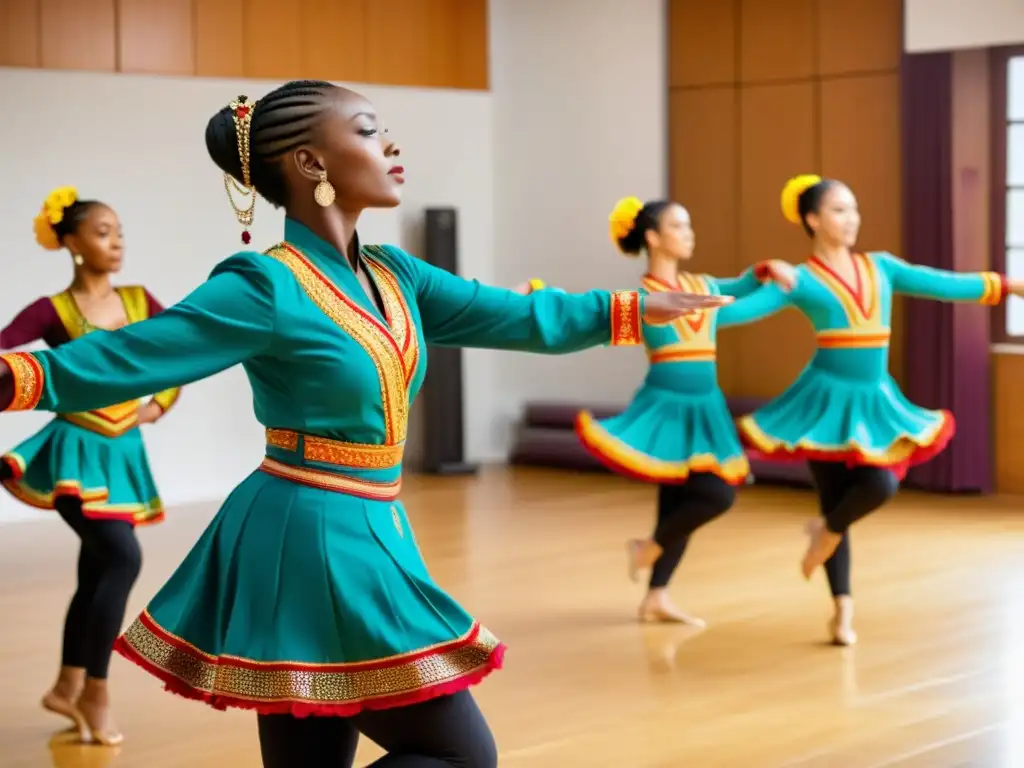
640 555
94 704
820 548
841 625
61 698
658 607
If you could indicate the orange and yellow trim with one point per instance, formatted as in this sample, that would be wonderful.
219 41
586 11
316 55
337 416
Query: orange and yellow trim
396 309
996 288
112 421
683 353
326 451
628 461
95 504
28 377
861 302
167 398
303 689
626 319
854 338
906 451
333 481
364 329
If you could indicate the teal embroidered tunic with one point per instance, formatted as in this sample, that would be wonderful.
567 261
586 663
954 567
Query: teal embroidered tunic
677 421
307 593
845 406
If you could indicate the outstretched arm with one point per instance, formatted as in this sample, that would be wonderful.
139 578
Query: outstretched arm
925 282
763 303
228 319
29 325
753 278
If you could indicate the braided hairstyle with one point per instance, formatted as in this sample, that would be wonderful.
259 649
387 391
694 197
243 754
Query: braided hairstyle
281 122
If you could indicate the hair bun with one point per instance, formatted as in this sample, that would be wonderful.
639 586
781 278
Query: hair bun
791 195
622 219
52 213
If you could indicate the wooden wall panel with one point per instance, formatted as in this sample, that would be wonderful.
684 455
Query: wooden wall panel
703 36
273 48
776 40
345 59
473 62
422 51
219 42
19 33
859 36
1008 424
78 34
703 176
156 37
426 43
777 129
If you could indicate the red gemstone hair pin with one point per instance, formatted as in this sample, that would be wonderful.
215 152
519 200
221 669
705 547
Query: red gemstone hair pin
241 113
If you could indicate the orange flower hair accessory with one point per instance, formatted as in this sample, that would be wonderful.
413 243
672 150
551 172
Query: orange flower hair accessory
52 213
623 217
791 195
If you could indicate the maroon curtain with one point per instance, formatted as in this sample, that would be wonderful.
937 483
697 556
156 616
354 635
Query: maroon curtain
947 345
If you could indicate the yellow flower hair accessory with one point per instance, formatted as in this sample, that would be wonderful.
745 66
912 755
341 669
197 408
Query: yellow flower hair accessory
791 195
623 217
52 214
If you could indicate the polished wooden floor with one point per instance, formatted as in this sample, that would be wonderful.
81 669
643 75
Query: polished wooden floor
937 680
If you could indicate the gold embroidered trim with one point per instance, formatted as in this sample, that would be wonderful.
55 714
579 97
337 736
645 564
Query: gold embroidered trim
330 481
626 318
364 329
327 451
28 378
396 310
288 681
994 288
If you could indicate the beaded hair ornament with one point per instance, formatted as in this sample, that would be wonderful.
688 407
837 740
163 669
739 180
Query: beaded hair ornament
241 113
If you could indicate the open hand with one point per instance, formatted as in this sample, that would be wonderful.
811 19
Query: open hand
781 272
664 307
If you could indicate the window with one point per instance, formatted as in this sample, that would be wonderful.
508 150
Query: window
1008 184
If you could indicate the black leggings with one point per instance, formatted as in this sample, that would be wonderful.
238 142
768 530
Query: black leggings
847 494
682 509
447 732
108 564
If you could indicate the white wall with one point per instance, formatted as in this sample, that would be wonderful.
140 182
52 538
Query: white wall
579 121
943 25
137 143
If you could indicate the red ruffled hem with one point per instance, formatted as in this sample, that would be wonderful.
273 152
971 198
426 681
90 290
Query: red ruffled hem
634 473
307 708
92 505
854 458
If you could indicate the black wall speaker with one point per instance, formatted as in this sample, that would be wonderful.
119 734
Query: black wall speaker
443 417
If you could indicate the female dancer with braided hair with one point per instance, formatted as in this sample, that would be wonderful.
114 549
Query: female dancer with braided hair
307 594
677 431
90 465
845 414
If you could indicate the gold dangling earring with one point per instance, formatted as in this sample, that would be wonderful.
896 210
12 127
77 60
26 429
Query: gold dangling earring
324 192
77 258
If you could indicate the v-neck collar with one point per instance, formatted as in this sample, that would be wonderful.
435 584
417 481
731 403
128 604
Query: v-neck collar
337 267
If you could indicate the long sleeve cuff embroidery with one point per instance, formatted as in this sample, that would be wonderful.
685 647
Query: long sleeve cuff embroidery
536 284
626 319
28 379
997 288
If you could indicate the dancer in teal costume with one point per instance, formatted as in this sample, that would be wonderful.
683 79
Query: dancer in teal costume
845 414
307 594
677 431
